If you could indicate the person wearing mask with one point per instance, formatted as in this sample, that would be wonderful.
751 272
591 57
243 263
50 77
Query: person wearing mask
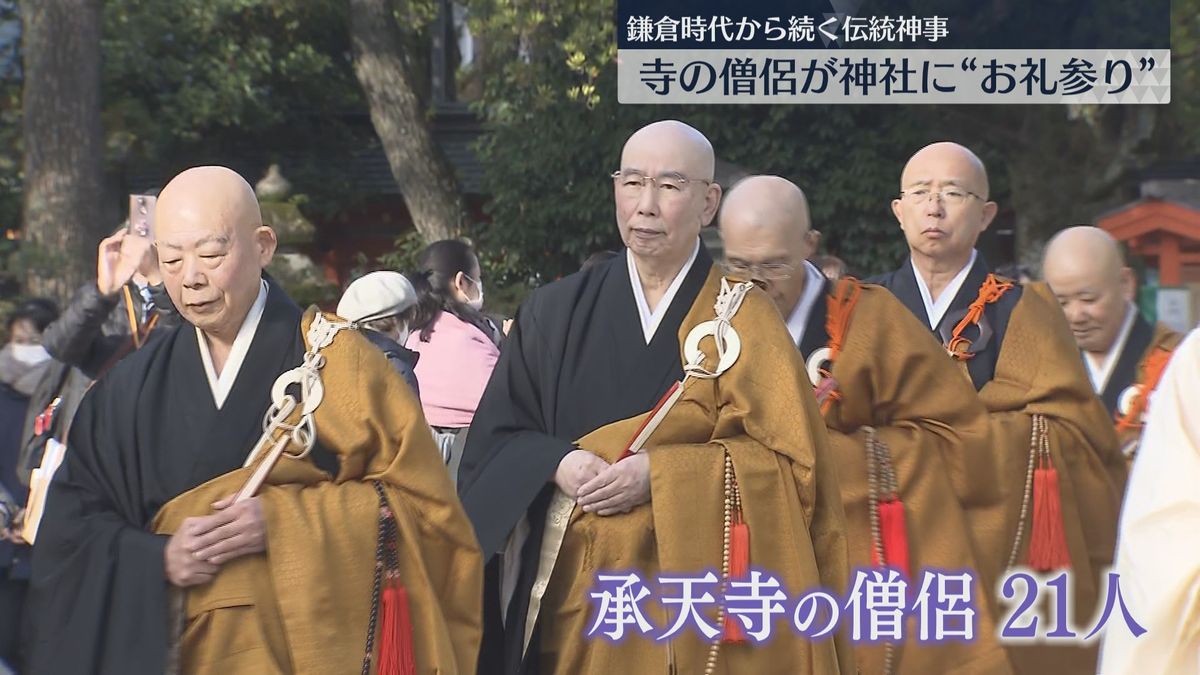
459 346
379 304
23 360
125 307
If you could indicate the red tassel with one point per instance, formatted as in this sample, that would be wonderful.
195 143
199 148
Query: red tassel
396 635
894 534
1048 541
739 569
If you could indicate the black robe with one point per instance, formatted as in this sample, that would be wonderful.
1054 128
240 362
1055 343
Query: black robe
1125 372
145 433
816 333
903 284
575 360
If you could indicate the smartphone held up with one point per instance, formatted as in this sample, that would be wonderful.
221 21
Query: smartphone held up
141 215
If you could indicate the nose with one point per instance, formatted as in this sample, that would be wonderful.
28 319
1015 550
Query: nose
1074 313
934 206
192 276
648 200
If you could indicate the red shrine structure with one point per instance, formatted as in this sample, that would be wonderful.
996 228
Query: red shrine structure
1164 233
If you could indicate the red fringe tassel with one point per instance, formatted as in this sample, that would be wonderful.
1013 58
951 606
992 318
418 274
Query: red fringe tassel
894 534
739 568
396 635
1048 541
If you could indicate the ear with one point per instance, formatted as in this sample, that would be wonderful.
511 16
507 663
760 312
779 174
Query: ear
267 242
459 282
1128 284
712 200
897 212
989 214
814 242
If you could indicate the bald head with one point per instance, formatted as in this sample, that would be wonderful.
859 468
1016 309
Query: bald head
1083 249
212 248
765 203
965 167
1085 268
767 234
689 151
210 191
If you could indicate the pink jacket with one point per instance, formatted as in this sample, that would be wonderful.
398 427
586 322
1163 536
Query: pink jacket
453 370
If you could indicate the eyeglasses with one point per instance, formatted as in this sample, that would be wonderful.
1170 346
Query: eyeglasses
670 185
764 272
949 196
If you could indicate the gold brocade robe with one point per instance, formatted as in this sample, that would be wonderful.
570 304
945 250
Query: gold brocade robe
893 376
758 413
1039 372
304 606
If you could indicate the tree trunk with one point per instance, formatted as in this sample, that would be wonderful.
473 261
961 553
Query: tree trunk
399 116
63 207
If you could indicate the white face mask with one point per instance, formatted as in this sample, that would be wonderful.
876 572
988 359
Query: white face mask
30 355
476 303
402 333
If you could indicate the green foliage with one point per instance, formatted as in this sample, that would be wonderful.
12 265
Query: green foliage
227 80
175 71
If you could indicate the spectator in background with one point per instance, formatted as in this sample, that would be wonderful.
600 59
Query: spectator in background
380 305
107 319
22 363
831 266
127 300
459 346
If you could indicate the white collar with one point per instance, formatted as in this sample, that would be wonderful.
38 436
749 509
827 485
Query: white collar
1100 368
650 320
935 310
797 321
221 385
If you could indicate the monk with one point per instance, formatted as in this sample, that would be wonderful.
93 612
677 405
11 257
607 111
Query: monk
1124 354
353 555
885 384
1016 349
741 453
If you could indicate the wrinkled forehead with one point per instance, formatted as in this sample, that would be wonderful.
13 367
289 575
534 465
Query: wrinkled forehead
190 226
665 152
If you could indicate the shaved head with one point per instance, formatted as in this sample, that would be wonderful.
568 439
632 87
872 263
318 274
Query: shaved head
665 194
943 205
212 248
969 171
690 152
210 191
1084 267
1083 249
767 234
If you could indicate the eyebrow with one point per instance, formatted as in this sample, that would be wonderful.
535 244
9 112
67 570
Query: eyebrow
211 239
